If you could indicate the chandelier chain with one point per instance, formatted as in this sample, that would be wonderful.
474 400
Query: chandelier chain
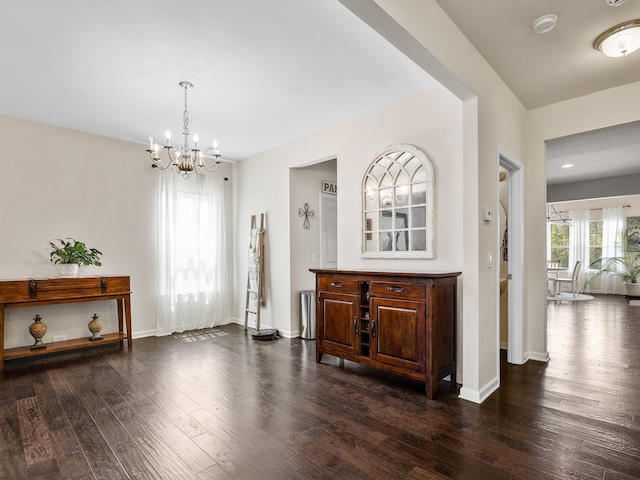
186 118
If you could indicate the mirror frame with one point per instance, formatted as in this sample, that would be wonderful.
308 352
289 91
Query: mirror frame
389 172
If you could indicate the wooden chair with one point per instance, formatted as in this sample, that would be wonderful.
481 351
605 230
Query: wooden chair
573 281
553 263
553 266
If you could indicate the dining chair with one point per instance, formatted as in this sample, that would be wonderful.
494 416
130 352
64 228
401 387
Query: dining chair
553 266
573 281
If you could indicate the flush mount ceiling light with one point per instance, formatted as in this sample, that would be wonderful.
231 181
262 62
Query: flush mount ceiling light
567 165
545 23
614 3
620 40
185 158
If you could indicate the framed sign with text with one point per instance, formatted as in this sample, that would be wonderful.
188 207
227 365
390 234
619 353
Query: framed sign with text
329 187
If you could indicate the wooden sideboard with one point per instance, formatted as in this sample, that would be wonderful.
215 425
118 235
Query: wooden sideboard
50 291
400 322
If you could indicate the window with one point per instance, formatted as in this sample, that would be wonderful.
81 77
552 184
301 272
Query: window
595 244
193 272
559 242
397 200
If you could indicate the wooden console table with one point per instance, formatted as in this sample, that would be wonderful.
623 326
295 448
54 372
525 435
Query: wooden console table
50 291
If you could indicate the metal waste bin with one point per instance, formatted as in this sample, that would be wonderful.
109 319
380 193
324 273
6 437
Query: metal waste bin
308 314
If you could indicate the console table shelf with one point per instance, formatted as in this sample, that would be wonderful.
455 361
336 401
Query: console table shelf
21 352
55 291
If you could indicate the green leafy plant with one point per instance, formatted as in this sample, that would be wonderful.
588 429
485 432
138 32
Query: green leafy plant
71 251
627 267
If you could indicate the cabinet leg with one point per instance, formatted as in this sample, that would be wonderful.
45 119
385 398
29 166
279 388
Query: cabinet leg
431 386
318 356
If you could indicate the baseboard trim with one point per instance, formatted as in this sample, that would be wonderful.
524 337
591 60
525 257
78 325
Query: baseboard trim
537 356
479 396
143 334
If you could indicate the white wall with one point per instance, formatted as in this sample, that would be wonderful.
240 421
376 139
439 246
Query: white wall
63 183
431 121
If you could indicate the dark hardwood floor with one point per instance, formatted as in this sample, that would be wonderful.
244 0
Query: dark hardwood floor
214 404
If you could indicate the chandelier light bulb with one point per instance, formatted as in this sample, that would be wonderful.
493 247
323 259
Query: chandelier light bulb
195 139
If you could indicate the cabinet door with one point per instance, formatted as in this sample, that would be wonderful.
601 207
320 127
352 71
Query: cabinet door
398 333
337 325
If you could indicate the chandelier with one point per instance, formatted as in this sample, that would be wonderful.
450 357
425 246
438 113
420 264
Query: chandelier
185 158
553 216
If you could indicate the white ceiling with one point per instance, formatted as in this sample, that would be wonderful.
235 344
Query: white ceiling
603 153
548 68
266 73
556 66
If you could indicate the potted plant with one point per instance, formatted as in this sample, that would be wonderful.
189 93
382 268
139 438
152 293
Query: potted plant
70 254
627 267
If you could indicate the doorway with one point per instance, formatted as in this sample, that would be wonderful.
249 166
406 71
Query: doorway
515 256
328 231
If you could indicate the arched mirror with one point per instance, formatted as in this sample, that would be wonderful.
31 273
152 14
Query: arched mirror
397 204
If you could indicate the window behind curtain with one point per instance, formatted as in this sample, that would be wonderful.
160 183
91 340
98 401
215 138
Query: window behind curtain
595 244
559 242
194 282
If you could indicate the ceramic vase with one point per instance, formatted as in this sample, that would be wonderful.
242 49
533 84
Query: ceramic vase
95 326
67 269
37 330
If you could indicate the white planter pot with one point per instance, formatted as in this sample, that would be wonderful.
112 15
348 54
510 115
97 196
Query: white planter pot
633 289
67 269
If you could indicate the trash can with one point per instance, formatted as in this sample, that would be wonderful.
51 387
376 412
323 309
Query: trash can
308 314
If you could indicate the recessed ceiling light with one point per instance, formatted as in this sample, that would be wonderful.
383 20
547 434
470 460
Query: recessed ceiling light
545 23
568 165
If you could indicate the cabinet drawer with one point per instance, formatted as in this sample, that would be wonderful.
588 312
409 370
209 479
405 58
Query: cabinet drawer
398 290
338 284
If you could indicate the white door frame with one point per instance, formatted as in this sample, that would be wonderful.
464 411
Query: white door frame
515 169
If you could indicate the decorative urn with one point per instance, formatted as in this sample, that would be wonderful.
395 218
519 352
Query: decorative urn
95 326
37 330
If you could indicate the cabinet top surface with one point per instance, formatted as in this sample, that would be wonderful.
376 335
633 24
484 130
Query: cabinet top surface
385 273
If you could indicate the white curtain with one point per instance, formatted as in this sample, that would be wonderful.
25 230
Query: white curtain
612 227
579 242
194 281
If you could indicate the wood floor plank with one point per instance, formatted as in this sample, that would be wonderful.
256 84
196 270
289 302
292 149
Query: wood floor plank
163 457
171 434
98 452
35 437
12 453
70 457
